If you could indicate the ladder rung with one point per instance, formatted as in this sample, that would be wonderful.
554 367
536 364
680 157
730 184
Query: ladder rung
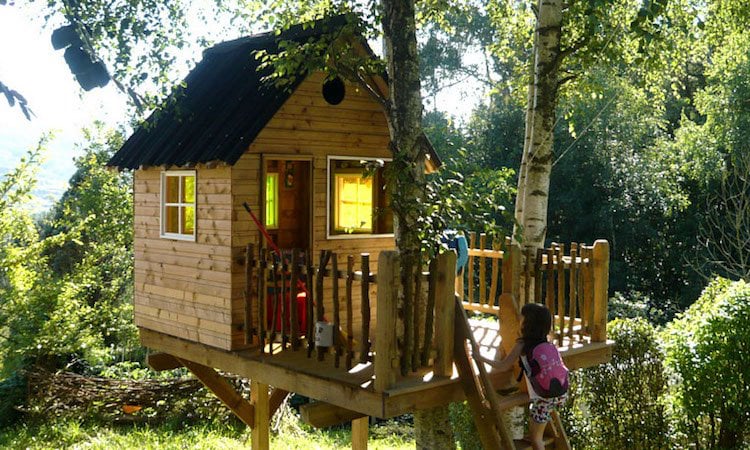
516 399
522 444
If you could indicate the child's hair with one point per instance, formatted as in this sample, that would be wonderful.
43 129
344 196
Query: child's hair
537 322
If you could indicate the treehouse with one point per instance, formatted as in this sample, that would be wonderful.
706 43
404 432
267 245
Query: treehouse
264 247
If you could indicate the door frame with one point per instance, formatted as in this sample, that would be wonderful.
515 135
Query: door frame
264 158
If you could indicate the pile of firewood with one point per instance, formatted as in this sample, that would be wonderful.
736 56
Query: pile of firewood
67 394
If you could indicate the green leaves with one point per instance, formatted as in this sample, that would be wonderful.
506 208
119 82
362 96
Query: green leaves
66 284
706 348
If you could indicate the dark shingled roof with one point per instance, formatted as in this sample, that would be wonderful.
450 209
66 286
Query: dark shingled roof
222 107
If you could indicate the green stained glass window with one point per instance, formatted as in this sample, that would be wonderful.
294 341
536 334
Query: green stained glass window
272 200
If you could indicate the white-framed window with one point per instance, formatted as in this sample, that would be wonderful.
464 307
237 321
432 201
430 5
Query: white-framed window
358 203
178 204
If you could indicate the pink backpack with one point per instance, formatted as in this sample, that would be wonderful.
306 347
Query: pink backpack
545 370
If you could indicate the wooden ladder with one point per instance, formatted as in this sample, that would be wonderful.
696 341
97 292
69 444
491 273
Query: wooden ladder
486 406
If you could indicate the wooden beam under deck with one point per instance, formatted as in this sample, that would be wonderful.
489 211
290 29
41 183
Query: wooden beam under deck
353 391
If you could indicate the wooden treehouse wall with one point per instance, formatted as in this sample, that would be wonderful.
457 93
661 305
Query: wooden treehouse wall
183 288
307 127
195 290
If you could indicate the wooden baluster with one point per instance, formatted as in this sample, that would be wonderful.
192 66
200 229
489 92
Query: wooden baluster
560 293
588 291
319 306
309 305
492 300
551 280
364 346
249 262
470 275
415 354
445 311
274 300
386 348
601 286
507 268
262 274
573 286
527 264
294 311
349 311
538 277
284 304
579 290
429 312
336 318
482 270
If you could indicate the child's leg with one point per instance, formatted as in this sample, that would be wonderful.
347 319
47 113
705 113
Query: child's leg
536 434
540 413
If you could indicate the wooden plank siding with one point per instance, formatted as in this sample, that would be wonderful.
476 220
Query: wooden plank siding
307 127
183 288
195 290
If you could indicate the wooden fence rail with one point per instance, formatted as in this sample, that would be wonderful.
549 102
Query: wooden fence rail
573 285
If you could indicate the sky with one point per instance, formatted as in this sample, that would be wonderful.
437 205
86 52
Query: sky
29 65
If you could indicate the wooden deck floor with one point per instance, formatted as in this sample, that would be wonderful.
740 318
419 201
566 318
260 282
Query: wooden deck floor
295 372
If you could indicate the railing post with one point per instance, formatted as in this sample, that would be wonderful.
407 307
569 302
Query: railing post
445 311
601 288
386 352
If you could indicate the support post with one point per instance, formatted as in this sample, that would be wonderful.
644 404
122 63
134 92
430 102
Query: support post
601 288
224 391
386 352
261 431
360 429
444 313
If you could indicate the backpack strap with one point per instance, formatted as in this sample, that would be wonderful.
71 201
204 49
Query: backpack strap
523 362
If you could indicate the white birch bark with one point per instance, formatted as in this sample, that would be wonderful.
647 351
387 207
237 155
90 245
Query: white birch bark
532 199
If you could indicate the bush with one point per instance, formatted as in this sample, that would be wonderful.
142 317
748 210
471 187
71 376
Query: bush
707 350
619 405
463 425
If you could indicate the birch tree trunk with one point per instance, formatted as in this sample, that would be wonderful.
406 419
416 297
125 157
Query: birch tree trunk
406 182
536 163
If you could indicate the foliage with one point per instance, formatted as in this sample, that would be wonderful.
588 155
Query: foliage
706 349
462 421
725 103
619 405
66 294
464 195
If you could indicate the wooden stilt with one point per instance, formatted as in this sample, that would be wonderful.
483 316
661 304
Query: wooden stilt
360 430
259 397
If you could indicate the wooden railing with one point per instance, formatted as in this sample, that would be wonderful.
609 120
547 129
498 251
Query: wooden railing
272 285
428 343
573 285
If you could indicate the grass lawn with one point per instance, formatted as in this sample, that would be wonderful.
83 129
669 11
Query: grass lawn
76 435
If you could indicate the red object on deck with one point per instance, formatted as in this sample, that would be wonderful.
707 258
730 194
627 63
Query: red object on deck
301 312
